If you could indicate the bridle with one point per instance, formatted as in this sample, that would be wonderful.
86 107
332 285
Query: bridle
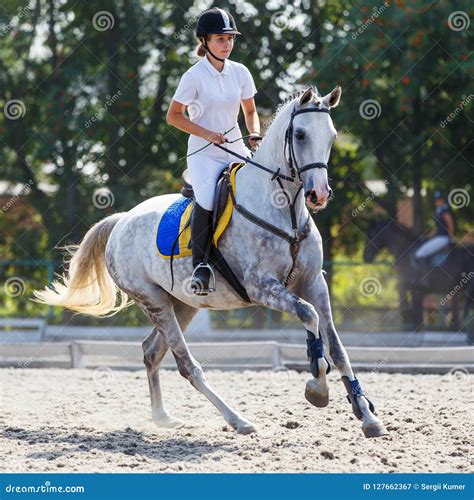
295 171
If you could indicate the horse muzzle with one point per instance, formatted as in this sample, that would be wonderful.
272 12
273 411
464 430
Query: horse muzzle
318 201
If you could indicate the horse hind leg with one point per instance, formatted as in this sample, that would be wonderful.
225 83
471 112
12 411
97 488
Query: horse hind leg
154 349
162 314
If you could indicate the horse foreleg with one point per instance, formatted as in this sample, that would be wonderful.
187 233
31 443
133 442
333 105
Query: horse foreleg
269 292
317 293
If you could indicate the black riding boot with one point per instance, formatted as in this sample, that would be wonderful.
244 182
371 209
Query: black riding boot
201 232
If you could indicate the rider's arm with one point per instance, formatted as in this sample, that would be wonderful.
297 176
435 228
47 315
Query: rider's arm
176 117
448 221
251 116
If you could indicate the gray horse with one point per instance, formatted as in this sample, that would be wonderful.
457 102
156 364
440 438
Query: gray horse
118 256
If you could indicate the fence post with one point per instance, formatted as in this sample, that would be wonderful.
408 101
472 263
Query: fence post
276 356
77 360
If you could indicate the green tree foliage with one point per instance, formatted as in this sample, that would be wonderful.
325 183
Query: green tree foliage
405 68
85 86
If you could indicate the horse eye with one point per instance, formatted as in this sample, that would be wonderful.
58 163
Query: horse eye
300 135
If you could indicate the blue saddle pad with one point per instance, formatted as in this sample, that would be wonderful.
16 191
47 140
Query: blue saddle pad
168 229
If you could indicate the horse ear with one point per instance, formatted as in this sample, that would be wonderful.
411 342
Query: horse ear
332 99
307 96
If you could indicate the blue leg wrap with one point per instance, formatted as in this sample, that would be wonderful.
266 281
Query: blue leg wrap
315 351
354 390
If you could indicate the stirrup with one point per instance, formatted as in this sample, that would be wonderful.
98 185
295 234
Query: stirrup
211 288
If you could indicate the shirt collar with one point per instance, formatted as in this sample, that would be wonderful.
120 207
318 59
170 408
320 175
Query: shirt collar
212 70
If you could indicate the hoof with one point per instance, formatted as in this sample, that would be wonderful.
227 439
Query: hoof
376 429
244 427
314 396
247 429
168 422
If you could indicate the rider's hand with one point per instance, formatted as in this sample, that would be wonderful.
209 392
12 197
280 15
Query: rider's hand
254 140
215 137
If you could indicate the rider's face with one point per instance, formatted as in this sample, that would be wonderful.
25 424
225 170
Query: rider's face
221 45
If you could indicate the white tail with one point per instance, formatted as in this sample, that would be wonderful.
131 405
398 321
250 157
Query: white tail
87 287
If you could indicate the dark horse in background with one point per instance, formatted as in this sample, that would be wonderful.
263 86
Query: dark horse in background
453 277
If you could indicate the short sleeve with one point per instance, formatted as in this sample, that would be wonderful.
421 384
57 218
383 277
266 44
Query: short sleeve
248 85
186 91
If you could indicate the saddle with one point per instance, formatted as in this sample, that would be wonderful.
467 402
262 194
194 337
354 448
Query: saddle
221 193
222 213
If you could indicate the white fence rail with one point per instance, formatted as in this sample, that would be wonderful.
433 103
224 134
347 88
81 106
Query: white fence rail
234 355
22 329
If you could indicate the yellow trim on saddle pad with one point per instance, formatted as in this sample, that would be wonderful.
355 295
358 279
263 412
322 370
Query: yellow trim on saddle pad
222 224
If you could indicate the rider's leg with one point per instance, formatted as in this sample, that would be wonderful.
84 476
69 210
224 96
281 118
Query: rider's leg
204 171
201 232
426 250
432 246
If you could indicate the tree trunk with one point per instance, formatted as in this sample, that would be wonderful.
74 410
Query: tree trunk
417 169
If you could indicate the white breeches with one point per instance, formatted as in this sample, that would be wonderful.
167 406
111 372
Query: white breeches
432 246
204 170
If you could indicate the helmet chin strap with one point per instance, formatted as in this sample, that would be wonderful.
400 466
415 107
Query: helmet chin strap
209 50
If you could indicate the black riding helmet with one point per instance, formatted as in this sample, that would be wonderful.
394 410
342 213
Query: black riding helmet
215 21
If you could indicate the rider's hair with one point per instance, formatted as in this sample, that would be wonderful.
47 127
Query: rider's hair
200 49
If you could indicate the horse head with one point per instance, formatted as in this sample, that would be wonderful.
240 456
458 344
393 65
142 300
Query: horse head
311 134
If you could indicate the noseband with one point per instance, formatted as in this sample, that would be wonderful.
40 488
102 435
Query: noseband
293 165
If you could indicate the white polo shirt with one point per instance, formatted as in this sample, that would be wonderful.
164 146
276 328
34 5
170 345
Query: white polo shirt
213 99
